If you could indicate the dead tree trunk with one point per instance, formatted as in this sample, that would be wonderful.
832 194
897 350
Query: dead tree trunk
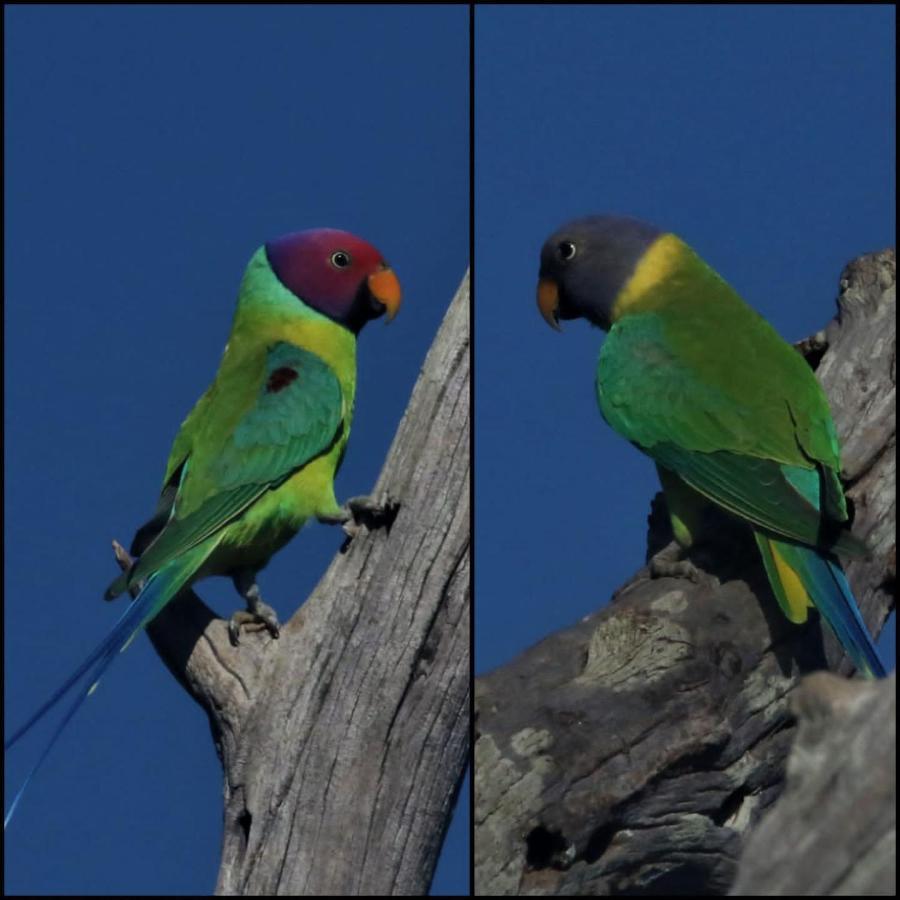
632 752
833 832
343 742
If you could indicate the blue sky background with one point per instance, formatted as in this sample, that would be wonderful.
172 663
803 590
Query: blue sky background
149 152
762 135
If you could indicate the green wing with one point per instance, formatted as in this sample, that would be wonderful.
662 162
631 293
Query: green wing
739 417
295 415
779 498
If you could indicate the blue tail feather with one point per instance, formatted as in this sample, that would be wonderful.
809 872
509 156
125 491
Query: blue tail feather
158 590
88 666
829 589
101 664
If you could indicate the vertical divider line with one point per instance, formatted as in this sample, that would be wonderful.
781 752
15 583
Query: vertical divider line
472 554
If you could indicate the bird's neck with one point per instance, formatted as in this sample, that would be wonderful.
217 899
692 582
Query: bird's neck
268 313
668 273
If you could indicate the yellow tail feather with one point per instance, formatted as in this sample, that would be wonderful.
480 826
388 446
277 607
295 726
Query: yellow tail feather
796 599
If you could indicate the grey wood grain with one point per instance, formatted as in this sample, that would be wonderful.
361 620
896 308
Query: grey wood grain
834 830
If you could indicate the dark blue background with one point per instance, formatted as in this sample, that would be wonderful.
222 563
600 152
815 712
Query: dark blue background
763 135
149 152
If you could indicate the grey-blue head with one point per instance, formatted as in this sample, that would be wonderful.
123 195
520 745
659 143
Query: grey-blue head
586 263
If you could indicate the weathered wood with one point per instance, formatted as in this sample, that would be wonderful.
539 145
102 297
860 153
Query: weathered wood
344 741
834 830
632 752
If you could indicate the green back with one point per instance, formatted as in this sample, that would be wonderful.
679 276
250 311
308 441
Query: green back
704 385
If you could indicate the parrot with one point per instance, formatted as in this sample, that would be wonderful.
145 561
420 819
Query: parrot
731 414
257 455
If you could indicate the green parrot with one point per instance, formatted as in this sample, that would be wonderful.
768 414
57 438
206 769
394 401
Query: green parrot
729 411
257 455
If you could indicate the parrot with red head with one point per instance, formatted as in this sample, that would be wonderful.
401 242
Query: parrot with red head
257 456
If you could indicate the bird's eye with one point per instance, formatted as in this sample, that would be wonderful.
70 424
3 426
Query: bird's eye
340 259
566 250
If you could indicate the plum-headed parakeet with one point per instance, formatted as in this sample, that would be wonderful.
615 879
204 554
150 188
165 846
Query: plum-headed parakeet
702 384
257 455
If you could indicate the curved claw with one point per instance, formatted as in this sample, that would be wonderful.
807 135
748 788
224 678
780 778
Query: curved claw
265 614
257 613
241 617
263 617
373 512
358 512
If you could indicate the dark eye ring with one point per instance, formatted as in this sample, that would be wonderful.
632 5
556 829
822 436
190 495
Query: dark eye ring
566 250
340 259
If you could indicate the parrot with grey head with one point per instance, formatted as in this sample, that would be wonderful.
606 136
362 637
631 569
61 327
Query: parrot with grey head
257 456
730 413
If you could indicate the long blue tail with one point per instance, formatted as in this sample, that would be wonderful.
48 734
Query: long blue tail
157 592
820 577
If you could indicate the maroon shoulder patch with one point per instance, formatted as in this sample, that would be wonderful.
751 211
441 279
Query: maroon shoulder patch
280 379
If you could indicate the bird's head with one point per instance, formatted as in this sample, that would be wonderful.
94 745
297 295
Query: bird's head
337 274
586 263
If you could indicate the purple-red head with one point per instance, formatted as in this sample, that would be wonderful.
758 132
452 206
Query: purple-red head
337 274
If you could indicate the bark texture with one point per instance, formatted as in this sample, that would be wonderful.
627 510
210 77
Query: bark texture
344 742
834 830
633 752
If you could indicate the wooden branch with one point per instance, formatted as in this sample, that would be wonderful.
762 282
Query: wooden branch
834 830
632 752
343 742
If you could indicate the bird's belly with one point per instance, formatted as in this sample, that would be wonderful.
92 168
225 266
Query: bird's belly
276 517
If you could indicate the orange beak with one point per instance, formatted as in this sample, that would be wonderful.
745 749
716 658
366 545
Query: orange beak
548 301
385 288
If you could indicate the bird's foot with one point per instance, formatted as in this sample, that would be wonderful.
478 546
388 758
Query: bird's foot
670 563
371 512
264 617
258 614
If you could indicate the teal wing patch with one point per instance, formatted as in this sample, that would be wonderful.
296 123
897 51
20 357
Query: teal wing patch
297 416
752 488
781 499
